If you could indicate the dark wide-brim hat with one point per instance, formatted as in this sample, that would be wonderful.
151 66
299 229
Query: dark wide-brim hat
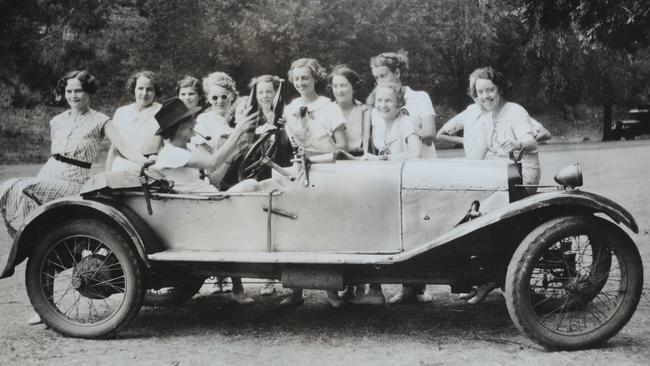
172 112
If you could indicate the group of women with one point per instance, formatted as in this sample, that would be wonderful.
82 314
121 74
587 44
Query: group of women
395 123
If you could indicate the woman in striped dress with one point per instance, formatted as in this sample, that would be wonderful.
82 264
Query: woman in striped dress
76 138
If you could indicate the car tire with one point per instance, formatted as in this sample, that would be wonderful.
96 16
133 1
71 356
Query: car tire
604 297
173 295
84 279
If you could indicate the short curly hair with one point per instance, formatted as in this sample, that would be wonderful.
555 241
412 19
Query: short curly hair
397 89
130 84
220 79
392 60
350 75
88 82
502 83
317 71
189 81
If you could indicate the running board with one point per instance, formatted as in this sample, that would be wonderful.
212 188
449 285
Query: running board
271 257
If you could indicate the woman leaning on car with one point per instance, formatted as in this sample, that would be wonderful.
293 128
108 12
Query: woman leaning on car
76 135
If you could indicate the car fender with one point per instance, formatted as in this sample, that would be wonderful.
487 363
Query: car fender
563 201
67 208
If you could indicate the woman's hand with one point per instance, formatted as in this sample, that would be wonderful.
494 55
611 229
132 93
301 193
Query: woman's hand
245 122
510 145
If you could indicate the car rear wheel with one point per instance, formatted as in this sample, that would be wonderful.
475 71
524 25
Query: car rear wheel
84 279
574 282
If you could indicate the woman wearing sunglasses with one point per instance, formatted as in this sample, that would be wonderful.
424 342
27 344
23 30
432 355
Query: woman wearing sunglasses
214 125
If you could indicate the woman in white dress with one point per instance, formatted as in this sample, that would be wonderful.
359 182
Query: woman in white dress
136 122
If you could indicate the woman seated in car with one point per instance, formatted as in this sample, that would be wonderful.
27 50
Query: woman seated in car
181 163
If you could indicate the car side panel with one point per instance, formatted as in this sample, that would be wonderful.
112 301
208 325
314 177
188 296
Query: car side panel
348 207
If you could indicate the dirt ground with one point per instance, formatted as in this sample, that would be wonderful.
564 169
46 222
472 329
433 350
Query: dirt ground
209 330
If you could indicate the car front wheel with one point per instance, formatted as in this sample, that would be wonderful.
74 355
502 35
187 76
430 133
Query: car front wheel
574 282
84 279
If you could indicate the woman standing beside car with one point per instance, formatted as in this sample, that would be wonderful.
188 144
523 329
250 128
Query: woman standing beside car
76 136
136 122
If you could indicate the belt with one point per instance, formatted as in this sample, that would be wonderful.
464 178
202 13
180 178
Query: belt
67 160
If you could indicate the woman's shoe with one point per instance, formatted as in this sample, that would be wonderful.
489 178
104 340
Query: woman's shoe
373 297
407 293
268 289
35 320
482 292
467 295
334 299
348 293
295 299
241 298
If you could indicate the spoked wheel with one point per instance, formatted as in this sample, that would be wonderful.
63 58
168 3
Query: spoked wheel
173 295
574 282
84 279
257 162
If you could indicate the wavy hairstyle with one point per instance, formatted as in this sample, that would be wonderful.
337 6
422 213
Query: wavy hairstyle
502 83
88 82
317 71
393 60
130 84
397 89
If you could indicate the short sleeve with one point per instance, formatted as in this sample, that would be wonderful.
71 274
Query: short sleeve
520 122
334 117
418 103
172 157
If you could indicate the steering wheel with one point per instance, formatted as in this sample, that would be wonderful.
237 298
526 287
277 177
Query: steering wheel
259 157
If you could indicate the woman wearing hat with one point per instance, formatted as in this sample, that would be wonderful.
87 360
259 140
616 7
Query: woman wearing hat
180 163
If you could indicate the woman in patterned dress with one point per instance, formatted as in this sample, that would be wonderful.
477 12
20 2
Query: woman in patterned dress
76 138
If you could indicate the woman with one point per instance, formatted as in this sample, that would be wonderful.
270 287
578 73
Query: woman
181 164
494 128
343 82
215 124
135 121
190 91
394 137
315 124
392 67
76 138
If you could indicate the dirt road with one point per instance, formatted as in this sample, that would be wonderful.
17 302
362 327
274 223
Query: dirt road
209 331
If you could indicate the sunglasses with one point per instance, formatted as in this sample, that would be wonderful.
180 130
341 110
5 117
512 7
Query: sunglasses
222 96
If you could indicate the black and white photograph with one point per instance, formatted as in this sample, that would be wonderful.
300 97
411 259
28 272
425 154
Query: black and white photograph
324 182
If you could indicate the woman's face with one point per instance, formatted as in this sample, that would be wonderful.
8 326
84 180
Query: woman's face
189 96
221 99
76 96
342 89
383 74
265 94
304 81
487 94
145 92
386 103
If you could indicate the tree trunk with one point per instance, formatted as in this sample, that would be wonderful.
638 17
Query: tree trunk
607 122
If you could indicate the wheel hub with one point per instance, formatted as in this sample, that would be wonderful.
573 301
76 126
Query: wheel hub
92 277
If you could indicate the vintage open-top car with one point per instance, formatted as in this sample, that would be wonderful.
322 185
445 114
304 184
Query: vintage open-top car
572 275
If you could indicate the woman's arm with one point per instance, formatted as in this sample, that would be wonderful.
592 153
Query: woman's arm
427 127
233 145
127 150
365 131
340 140
449 130
414 144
